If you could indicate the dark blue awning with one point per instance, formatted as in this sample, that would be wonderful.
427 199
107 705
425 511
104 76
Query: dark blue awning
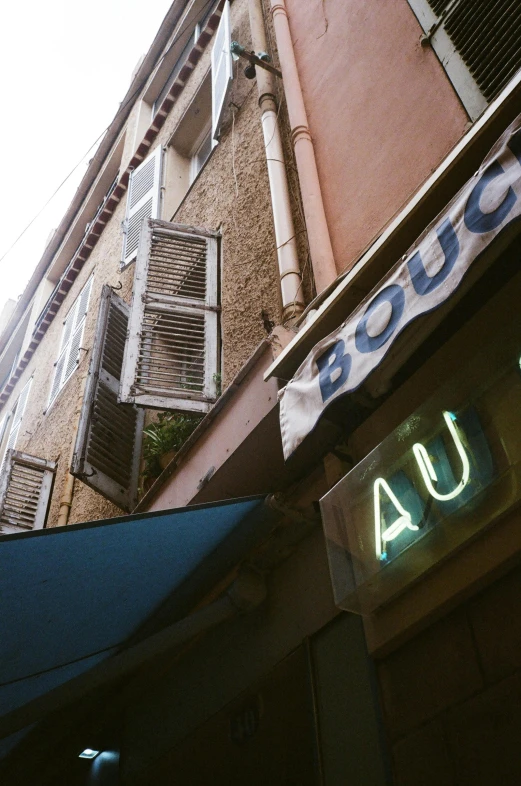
73 596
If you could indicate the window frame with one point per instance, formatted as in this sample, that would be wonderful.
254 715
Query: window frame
195 165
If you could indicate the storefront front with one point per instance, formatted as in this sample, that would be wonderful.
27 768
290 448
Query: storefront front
423 379
397 635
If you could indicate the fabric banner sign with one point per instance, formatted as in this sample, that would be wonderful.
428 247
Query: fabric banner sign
424 279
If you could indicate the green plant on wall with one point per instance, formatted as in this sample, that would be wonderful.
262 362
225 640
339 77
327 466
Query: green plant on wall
165 436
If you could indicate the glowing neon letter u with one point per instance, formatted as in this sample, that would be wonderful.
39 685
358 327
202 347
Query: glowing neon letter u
429 473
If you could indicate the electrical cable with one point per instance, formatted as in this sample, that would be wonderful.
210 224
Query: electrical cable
124 104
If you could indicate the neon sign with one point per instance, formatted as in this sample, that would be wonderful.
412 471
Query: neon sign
431 476
439 477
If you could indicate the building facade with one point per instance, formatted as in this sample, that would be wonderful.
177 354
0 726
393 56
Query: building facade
157 148
369 394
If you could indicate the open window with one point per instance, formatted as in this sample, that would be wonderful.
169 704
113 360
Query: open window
200 152
108 442
189 147
477 45
25 491
171 356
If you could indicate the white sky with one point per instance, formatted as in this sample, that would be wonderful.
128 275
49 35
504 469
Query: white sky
65 67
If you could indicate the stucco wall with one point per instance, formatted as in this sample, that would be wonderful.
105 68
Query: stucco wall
231 194
452 695
381 111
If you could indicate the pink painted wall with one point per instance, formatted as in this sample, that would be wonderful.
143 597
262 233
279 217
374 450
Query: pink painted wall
381 111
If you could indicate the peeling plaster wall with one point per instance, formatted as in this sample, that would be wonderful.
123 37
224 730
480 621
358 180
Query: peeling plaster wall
231 194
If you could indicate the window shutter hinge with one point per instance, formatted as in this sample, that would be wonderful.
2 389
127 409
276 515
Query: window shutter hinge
426 38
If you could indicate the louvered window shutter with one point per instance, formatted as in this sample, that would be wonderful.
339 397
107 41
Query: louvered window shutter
25 491
3 427
108 442
171 356
476 43
142 202
17 416
222 69
72 336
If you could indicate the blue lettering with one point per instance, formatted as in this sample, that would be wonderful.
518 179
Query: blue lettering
475 220
394 295
333 360
422 283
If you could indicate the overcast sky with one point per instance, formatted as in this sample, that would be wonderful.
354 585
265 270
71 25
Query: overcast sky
65 67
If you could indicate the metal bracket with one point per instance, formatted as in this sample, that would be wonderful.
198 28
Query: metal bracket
260 59
278 502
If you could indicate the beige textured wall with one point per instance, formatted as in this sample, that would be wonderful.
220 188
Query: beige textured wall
231 194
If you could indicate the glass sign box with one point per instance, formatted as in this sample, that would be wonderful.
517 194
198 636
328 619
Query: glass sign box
443 475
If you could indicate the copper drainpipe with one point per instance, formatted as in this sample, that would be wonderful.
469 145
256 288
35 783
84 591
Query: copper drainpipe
322 259
289 269
66 500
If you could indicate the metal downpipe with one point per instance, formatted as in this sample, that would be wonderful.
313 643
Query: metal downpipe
287 255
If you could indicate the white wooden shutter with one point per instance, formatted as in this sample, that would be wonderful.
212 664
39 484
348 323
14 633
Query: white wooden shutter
25 491
108 442
476 43
222 69
171 356
142 202
72 336
3 427
17 416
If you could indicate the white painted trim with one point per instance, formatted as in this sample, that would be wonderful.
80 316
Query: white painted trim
222 67
153 195
76 332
